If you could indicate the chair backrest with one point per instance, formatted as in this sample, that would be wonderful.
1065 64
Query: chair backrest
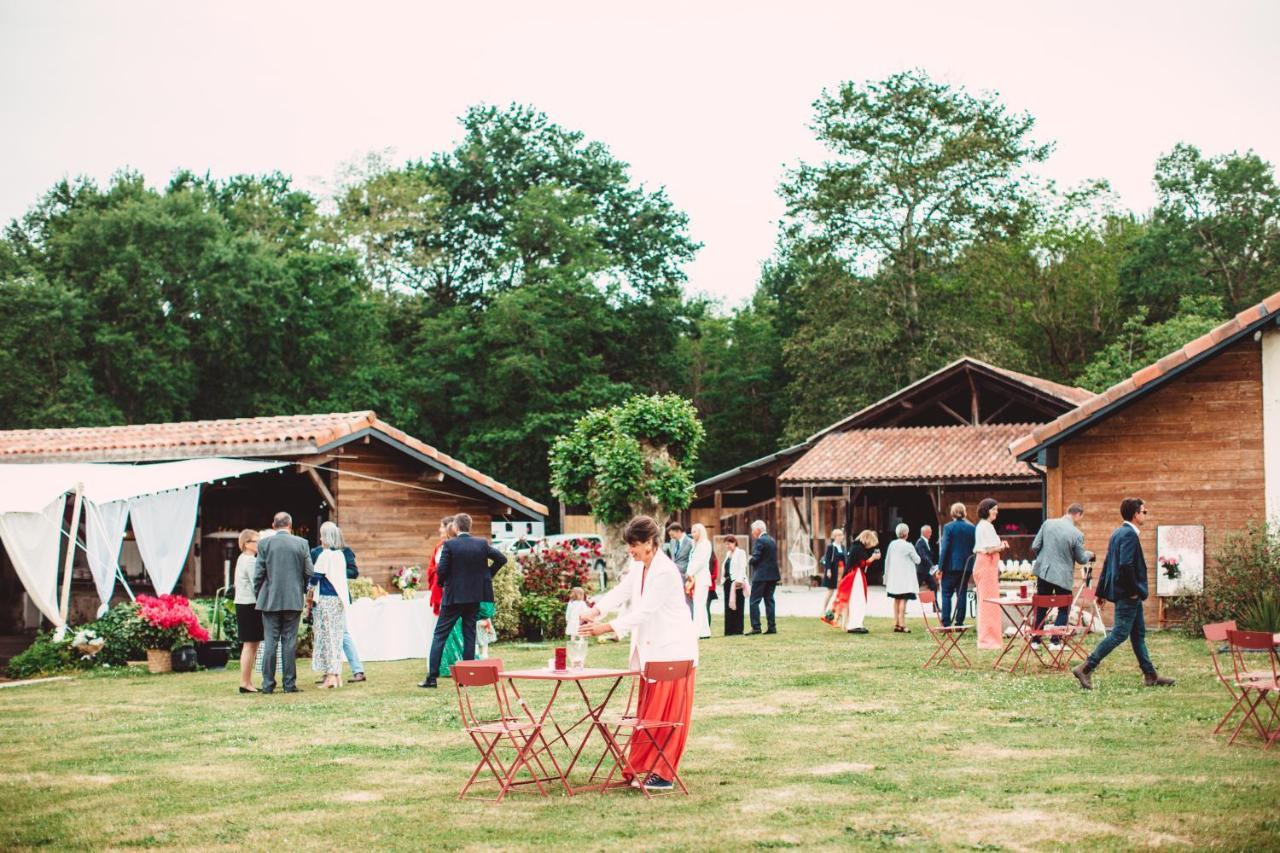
1217 632
927 596
1050 601
472 674
1252 641
667 670
476 673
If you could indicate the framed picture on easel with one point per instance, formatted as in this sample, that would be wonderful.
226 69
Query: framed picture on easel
1179 559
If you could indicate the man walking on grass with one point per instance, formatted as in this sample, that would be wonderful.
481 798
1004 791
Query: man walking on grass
1124 581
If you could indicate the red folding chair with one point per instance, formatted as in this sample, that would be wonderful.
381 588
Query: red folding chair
1215 636
947 637
635 726
1261 684
502 729
1053 645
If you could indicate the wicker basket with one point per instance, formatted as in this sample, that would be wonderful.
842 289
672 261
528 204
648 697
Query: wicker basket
159 660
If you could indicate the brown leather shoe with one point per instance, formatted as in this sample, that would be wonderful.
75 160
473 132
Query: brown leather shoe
1083 676
1155 679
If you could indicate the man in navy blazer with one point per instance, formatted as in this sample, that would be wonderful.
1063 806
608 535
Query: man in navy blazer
954 552
1124 581
466 569
764 577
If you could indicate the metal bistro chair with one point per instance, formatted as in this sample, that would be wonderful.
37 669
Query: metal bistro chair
1266 689
1067 644
635 726
1215 636
489 733
946 636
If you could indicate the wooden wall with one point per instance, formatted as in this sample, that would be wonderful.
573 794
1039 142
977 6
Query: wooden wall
390 524
1192 450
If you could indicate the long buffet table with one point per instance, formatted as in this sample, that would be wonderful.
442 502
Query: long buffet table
391 627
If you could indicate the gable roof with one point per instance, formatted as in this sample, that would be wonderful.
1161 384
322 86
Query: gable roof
1148 379
1063 395
285 435
901 455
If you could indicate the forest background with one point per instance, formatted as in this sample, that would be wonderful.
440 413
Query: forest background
485 297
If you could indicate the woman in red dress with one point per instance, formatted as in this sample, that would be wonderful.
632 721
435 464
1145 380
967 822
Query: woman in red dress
433 580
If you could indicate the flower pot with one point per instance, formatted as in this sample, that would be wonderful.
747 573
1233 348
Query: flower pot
159 660
183 659
214 654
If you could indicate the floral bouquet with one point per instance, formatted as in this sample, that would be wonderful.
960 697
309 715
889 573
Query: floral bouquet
167 621
1172 567
87 643
407 579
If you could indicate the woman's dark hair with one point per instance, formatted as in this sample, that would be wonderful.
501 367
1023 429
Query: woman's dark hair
731 539
1129 507
984 508
642 528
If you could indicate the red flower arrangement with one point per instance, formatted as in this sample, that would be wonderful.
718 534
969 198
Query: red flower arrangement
555 571
167 621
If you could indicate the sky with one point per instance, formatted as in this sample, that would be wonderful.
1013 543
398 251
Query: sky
711 100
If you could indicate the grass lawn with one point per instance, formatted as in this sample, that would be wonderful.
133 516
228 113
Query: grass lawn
811 738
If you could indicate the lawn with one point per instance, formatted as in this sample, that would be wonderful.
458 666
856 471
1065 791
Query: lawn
811 738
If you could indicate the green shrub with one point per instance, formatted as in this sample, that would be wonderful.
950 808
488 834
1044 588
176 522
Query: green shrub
45 656
1263 613
118 629
507 595
1248 566
544 613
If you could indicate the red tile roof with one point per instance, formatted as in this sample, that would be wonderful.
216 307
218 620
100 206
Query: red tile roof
286 435
1194 351
913 455
1057 389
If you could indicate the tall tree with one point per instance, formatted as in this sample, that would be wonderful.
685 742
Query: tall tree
1140 342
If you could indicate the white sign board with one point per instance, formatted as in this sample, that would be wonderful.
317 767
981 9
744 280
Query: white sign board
1179 559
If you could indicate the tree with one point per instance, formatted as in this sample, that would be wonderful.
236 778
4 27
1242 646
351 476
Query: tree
1215 231
1140 344
633 459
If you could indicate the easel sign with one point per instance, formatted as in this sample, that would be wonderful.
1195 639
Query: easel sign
1179 559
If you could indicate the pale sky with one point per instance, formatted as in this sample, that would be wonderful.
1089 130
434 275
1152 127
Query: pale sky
710 100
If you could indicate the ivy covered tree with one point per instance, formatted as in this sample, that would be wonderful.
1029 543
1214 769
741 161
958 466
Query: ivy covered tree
634 459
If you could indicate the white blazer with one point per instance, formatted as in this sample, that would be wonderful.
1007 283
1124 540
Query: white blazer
700 562
658 618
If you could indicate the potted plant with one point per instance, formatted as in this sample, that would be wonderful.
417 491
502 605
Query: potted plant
166 623
215 653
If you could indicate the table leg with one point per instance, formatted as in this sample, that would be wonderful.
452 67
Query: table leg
541 721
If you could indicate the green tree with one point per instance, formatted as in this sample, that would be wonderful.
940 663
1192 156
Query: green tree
1140 343
636 458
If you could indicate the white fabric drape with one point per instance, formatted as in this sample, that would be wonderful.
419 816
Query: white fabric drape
104 533
32 540
163 524
333 565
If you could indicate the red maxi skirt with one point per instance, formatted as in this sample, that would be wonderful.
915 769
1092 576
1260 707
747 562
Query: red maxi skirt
670 701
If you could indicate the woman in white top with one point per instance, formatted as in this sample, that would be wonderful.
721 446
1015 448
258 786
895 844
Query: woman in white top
331 600
986 574
661 629
736 586
249 628
900 581
700 573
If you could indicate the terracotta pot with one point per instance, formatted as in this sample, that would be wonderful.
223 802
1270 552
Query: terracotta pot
159 660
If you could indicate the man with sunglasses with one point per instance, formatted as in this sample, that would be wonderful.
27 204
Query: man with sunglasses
1124 581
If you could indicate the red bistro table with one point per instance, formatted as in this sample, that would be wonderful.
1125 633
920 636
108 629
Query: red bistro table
1018 610
590 718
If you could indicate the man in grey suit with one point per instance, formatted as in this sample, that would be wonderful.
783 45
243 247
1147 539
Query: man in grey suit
280 580
680 548
1058 547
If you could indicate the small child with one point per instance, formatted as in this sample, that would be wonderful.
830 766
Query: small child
485 633
573 611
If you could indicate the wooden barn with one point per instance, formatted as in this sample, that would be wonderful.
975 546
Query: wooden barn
906 457
1196 435
386 489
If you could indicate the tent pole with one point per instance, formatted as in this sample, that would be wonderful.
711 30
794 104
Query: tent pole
66 566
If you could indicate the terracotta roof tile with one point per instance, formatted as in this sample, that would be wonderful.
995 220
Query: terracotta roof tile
912 454
1069 393
285 435
1192 351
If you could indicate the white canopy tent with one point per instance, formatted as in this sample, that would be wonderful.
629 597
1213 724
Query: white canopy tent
161 498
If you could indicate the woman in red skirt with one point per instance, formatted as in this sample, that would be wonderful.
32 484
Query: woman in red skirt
657 618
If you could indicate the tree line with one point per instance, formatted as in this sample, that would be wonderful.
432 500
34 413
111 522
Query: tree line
487 296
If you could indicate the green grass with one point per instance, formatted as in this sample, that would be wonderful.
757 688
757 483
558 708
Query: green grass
812 738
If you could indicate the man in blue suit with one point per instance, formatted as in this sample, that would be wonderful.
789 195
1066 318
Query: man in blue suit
1124 581
466 569
954 552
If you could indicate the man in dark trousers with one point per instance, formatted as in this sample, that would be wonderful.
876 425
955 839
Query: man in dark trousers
1124 581
954 552
280 581
764 577
926 569
466 569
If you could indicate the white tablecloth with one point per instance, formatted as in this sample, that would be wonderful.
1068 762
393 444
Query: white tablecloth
391 627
